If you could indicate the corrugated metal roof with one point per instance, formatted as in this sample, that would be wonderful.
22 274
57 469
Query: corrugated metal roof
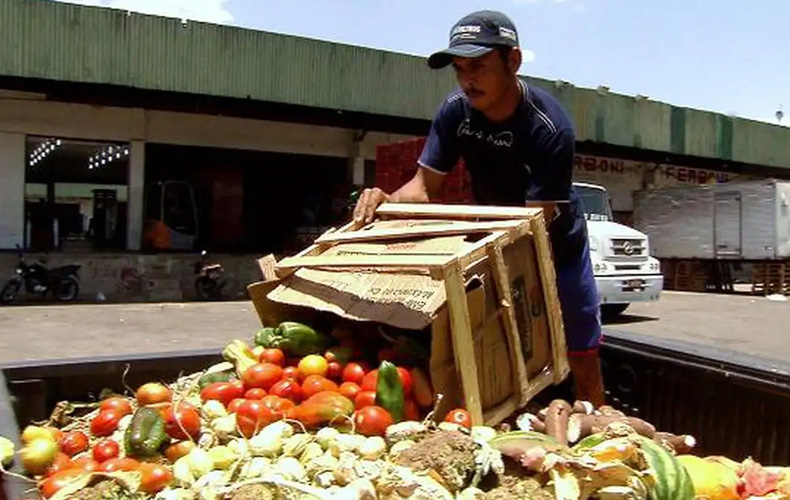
64 42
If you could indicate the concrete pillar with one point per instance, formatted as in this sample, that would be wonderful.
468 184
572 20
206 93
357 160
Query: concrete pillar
12 190
134 207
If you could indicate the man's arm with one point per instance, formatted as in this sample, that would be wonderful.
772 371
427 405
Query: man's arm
553 174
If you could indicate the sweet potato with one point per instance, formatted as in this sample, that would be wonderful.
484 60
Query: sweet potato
559 411
581 426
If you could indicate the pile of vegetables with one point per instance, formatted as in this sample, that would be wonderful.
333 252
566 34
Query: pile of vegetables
298 414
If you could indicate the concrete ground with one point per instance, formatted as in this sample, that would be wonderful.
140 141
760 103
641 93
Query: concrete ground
749 325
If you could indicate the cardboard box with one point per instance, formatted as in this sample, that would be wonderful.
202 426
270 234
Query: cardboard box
478 280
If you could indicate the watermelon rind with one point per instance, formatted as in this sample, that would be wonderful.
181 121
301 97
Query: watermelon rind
672 481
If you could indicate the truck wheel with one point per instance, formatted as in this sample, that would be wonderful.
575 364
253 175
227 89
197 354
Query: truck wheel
613 310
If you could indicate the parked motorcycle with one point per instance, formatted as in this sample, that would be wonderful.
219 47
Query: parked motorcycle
62 282
210 280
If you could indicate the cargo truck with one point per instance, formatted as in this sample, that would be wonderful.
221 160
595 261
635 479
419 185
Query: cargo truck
625 272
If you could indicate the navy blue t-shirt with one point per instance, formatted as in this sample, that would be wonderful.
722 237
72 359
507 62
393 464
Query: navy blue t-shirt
528 157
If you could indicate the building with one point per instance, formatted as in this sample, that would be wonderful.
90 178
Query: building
123 132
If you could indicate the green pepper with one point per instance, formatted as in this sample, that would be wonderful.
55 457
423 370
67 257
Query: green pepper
210 378
145 433
389 390
294 339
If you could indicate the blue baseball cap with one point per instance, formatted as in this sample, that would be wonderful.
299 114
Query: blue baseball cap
476 35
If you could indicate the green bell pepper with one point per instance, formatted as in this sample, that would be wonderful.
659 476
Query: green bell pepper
389 391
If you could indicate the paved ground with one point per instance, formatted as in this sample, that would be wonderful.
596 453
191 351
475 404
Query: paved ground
749 325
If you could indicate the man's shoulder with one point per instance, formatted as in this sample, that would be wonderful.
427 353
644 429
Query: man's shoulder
454 106
548 111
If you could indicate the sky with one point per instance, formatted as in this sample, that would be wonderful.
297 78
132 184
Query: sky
728 56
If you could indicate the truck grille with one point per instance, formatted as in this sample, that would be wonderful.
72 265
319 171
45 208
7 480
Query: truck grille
622 247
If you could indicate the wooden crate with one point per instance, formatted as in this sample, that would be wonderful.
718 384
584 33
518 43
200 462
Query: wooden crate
479 280
771 278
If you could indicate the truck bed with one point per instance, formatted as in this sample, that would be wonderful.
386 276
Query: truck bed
734 405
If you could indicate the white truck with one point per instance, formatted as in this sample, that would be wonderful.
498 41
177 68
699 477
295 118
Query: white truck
625 271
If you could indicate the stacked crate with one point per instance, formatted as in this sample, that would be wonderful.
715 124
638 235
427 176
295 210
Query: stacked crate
770 278
396 163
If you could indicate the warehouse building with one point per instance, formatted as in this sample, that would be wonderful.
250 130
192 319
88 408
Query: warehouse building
130 141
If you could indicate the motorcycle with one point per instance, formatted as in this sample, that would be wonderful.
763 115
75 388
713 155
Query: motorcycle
62 282
210 280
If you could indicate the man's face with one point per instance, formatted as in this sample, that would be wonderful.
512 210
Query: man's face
485 79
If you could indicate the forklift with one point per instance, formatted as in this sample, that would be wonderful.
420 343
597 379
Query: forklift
171 216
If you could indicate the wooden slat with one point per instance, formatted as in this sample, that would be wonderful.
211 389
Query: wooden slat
502 238
463 341
559 346
367 261
502 283
450 229
541 382
502 411
410 210
316 248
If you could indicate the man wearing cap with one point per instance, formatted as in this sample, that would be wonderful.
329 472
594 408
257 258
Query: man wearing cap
518 146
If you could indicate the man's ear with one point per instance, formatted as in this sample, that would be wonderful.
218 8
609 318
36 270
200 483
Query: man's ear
514 60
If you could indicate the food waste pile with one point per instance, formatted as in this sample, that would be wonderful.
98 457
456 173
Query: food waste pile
295 414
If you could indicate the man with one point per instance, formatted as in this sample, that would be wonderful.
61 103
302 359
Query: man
518 146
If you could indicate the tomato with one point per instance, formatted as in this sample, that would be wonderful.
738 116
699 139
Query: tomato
411 412
291 372
334 371
278 406
86 463
372 421
460 417
292 361
252 416
118 403
233 406
365 399
119 464
153 393
273 356
354 372
406 380
104 450
73 442
288 389
224 392
62 462
262 375
178 450
314 384
56 482
350 390
154 478
256 393
370 380
105 423
313 364
386 355
182 423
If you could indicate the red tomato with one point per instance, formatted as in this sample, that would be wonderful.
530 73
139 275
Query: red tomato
86 463
334 371
292 361
354 372
73 442
224 392
370 380
406 380
291 372
460 417
350 390
252 416
56 482
315 383
233 407
365 399
262 375
105 423
154 477
62 462
118 403
372 421
278 406
273 356
289 389
119 464
256 393
411 412
106 449
153 393
182 423
178 450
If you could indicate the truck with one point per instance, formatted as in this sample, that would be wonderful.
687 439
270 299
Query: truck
625 271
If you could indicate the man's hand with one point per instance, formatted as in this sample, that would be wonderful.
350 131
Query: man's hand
368 202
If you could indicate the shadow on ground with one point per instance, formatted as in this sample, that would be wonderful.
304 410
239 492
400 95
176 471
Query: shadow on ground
625 319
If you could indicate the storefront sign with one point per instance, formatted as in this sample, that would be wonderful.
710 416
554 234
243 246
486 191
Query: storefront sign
620 177
671 175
